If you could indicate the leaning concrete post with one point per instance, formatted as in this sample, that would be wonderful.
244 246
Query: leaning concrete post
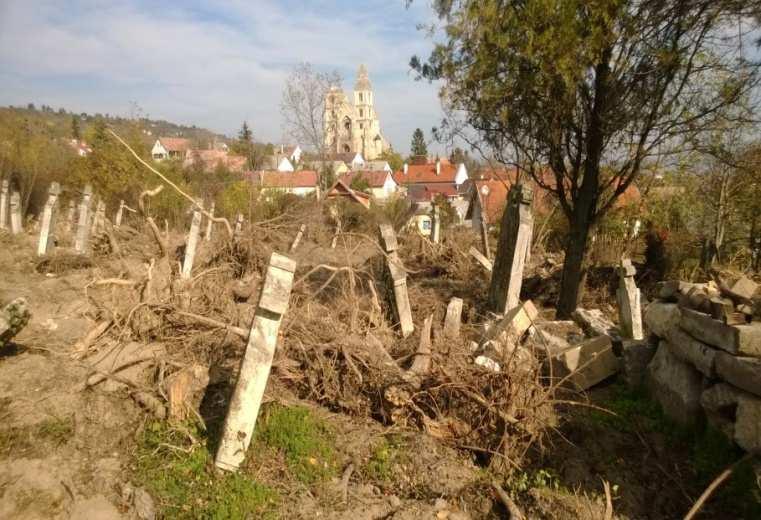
4 204
47 228
399 279
209 223
98 223
436 225
256 364
300 234
190 247
80 241
507 276
485 236
238 226
17 225
119 214
453 318
628 296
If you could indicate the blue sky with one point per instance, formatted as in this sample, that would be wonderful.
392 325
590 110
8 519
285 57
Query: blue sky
212 64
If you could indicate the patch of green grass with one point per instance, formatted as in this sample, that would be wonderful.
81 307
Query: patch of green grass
306 441
386 453
184 485
524 481
56 430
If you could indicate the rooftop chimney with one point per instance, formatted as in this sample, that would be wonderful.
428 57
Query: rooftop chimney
438 167
405 168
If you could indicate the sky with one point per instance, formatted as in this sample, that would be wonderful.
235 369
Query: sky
213 64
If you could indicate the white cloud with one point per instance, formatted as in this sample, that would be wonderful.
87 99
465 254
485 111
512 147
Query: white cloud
211 65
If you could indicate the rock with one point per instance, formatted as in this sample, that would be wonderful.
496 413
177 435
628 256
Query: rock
688 349
594 323
735 339
671 289
440 504
676 385
586 364
720 403
660 317
748 422
458 515
144 506
742 372
13 318
487 363
745 287
637 354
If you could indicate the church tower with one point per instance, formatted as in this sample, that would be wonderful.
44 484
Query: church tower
363 110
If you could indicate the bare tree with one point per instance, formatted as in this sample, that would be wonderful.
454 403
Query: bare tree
303 105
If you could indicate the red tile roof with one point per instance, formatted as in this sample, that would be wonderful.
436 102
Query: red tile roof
427 192
375 179
426 174
175 144
276 179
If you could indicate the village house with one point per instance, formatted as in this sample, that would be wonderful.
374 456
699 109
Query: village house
277 162
375 166
353 160
337 167
380 183
170 148
302 182
209 160
293 153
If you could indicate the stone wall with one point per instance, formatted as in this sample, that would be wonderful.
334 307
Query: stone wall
706 367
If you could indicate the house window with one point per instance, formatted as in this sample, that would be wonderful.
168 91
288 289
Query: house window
426 225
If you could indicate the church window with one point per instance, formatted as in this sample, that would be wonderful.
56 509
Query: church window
346 148
360 96
347 124
360 126
361 113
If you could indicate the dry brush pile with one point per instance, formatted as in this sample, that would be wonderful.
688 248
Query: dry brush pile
338 345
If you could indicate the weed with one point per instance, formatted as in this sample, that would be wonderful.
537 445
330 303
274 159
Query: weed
542 478
26 440
56 430
180 478
386 453
305 441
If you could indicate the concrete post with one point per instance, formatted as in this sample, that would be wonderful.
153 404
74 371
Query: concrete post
209 223
98 223
485 236
119 214
47 228
399 279
17 225
629 308
507 276
70 216
453 318
4 204
190 247
256 364
436 225
83 229
296 240
238 226
485 262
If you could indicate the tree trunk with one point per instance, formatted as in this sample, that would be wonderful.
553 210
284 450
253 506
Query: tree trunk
574 264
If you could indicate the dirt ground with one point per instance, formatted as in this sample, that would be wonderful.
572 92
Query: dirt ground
67 451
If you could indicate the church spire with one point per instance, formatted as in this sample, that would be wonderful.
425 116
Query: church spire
363 82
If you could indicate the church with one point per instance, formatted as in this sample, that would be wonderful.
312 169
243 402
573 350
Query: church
354 126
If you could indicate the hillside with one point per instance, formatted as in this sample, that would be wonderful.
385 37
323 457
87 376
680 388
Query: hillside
60 124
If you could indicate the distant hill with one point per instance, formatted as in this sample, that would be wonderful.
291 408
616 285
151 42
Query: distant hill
58 123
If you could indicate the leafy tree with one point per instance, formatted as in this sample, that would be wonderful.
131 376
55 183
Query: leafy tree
588 92
418 146
460 156
394 159
359 183
75 130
